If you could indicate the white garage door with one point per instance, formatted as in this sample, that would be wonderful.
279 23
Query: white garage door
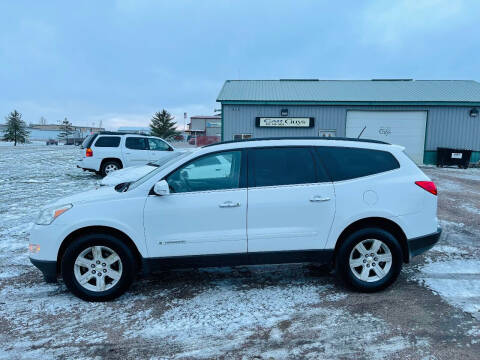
406 128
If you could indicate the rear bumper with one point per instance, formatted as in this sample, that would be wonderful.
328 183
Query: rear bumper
88 164
86 169
48 269
421 244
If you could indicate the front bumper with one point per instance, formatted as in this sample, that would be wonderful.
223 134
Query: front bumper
48 269
421 244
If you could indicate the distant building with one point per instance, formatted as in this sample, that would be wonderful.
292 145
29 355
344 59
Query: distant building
135 129
51 131
205 126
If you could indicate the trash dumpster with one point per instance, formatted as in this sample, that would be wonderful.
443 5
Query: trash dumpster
447 156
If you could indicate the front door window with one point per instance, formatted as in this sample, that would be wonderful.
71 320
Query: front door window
211 172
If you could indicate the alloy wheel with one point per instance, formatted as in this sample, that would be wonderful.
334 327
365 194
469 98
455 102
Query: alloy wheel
98 268
110 168
370 260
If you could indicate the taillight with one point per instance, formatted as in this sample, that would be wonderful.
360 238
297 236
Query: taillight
88 152
428 186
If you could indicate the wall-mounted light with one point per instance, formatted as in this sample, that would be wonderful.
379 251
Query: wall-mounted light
474 112
284 112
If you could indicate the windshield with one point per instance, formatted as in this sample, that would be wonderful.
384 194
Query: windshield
158 169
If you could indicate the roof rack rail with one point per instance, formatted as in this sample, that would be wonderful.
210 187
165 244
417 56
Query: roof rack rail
301 138
121 133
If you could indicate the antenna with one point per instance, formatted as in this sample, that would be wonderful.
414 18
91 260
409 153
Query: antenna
361 132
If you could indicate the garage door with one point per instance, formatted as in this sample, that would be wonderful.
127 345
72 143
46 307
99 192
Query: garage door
406 128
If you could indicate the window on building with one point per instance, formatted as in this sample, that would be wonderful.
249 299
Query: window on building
242 136
108 141
136 143
210 172
281 166
344 163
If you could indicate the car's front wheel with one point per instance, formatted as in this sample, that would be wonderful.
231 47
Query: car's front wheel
369 260
98 267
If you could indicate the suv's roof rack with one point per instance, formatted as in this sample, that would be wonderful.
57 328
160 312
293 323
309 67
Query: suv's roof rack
120 133
301 138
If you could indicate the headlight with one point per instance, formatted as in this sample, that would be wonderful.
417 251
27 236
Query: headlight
47 216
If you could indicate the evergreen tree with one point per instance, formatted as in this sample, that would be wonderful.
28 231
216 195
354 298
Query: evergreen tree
16 128
162 125
66 130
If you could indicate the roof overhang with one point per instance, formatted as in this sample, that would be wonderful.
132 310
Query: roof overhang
355 103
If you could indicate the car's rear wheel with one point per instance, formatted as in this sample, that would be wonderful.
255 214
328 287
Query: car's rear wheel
369 260
98 267
110 166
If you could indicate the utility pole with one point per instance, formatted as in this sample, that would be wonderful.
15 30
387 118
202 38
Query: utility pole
184 124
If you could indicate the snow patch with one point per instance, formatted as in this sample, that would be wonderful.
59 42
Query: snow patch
457 281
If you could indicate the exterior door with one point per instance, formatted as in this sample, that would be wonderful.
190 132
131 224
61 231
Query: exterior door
406 128
204 214
136 151
158 149
291 202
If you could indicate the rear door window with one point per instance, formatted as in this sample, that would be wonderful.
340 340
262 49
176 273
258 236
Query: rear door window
136 143
282 166
108 141
345 163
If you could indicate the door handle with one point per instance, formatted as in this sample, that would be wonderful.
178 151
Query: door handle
229 204
318 198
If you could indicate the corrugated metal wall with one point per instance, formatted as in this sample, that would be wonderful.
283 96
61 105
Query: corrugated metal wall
446 126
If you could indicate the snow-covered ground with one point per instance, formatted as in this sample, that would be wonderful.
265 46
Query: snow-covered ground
262 312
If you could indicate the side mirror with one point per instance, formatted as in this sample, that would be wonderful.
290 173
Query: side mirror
161 188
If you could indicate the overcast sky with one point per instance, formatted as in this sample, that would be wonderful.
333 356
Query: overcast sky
120 61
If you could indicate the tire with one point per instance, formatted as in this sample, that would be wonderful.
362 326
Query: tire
379 274
109 166
79 265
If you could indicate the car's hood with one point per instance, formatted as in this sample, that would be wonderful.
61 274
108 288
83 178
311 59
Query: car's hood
98 194
128 174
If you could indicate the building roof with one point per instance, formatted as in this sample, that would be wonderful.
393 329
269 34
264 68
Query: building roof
130 128
352 91
205 117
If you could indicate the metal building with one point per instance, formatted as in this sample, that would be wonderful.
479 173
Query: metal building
421 115
205 125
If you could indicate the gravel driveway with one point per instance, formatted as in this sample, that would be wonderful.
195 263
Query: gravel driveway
261 312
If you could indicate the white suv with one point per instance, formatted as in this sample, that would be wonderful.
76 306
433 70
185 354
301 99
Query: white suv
362 206
106 152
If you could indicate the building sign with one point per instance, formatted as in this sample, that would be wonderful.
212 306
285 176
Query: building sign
214 123
289 122
385 130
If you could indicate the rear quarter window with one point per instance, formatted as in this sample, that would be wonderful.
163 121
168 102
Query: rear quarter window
88 141
345 163
108 141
